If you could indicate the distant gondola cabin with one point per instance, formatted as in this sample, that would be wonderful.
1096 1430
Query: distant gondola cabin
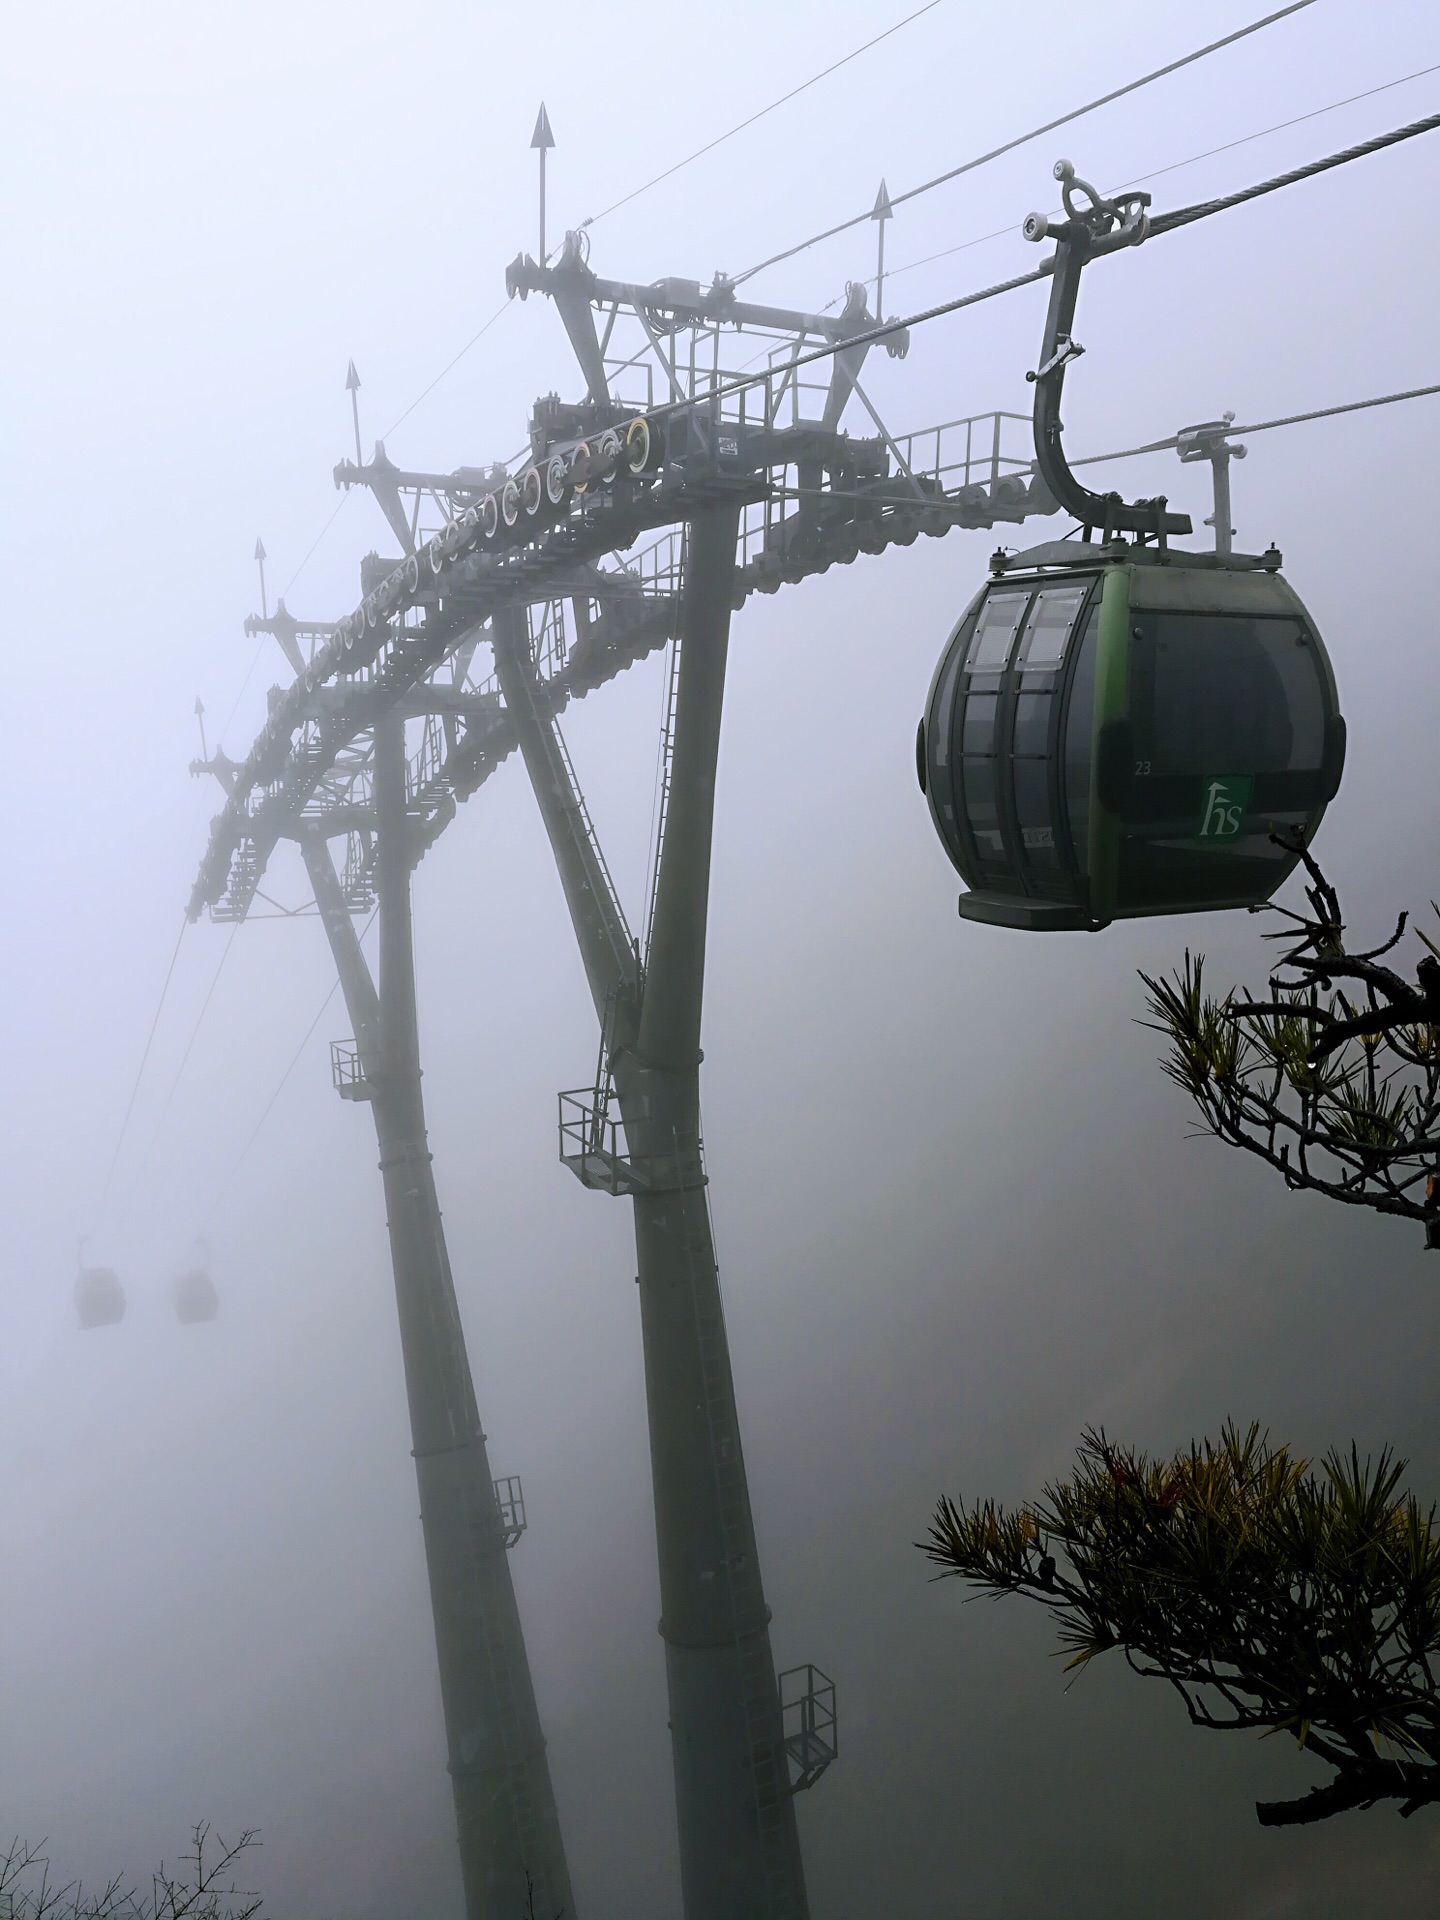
195 1297
1117 731
99 1297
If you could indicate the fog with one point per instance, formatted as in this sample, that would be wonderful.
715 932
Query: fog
960 1213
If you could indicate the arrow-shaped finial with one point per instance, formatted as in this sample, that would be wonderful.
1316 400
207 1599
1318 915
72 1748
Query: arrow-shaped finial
352 387
260 562
200 716
541 141
880 213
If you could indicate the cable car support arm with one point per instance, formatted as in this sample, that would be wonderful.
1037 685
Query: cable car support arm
1093 226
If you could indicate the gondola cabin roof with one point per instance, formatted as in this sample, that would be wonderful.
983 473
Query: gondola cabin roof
1123 729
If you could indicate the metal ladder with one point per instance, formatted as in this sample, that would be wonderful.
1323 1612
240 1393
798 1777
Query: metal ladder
664 781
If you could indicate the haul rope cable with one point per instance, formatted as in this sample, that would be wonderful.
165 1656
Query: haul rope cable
1063 120
145 1157
140 1070
1163 223
447 368
1142 179
295 1058
784 99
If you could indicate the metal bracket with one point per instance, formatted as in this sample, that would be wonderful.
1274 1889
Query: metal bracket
1209 441
1066 349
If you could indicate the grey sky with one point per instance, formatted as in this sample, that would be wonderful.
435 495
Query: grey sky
957 1211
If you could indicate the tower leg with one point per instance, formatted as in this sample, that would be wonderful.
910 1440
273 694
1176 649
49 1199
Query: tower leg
739 1851
507 1822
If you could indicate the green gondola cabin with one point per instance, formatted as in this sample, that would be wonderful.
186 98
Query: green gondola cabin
1118 729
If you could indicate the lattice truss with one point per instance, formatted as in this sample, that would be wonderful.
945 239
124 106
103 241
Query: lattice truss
690 396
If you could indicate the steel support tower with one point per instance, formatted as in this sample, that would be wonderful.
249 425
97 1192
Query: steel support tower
509 1831
636 521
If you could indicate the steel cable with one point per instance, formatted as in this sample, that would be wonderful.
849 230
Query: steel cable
260 645
1186 216
1009 146
280 1088
269 1108
146 1157
449 366
784 100
1163 223
1264 426
1174 166
140 1070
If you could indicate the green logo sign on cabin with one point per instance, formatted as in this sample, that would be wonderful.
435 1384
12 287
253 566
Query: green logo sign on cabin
1222 807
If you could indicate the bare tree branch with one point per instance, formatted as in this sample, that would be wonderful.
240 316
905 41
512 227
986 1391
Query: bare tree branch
204 1890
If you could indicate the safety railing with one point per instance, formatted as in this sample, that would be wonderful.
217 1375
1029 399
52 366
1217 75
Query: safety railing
347 1075
592 1144
807 1712
510 1499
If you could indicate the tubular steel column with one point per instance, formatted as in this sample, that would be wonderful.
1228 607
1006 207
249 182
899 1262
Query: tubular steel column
505 1807
739 1850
